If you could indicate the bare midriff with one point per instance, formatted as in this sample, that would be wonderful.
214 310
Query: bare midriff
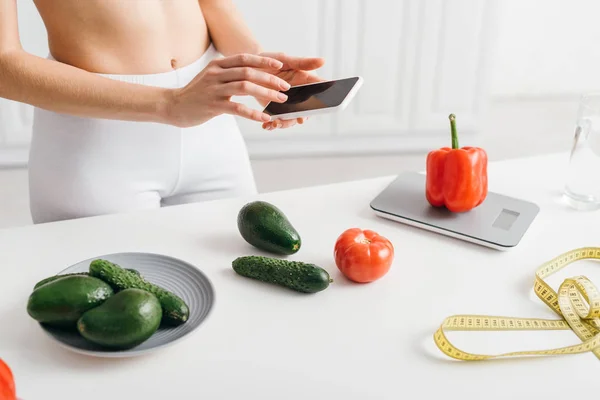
125 36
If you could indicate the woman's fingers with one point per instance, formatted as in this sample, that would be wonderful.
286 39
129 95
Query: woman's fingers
253 75
303 77
282 124
244 111
287 123
247 88
249 60
279 124
271 125
270 61
299 63
313 78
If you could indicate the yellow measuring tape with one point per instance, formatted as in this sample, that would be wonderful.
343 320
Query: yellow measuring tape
577 303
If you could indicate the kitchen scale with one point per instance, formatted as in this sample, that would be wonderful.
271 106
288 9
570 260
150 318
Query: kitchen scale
499 222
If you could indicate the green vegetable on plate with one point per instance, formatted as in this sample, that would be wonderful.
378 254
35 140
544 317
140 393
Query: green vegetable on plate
55 277
125 320
62 302
175 310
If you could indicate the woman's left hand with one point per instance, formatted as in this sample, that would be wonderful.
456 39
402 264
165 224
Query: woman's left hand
295 71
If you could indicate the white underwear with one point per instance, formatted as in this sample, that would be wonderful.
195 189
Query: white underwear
80 167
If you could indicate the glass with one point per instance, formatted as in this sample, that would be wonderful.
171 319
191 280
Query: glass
582 188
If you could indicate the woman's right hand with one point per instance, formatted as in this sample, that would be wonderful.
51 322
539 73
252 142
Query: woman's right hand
209 93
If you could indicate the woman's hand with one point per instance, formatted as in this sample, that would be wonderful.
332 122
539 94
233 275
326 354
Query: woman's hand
209 93
295 71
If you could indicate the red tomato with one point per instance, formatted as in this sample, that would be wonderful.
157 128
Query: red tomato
7 384
363 255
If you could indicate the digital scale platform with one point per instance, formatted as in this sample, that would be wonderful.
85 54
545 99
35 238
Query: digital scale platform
499 222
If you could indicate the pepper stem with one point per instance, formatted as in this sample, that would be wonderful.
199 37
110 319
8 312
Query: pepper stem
453 130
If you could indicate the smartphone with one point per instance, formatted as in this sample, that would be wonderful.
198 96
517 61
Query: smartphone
315 98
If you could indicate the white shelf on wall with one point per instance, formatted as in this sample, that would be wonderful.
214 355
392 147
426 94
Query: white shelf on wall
421 60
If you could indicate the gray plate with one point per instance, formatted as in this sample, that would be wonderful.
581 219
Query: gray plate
181 278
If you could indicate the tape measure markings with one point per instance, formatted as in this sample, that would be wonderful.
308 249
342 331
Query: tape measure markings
577 303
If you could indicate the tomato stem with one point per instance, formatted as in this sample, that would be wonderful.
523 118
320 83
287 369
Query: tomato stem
453 131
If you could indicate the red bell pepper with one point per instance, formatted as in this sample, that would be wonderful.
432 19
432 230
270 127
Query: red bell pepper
7 383
456 177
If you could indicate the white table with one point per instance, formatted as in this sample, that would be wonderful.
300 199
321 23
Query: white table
347 342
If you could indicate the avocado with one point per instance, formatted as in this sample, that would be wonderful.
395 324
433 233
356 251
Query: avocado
295 275
125 320
55 277
61 303
266 227
175 310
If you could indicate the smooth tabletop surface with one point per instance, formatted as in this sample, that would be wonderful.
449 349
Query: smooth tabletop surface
351 341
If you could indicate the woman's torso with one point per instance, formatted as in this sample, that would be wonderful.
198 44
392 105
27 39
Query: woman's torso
125 36
83 166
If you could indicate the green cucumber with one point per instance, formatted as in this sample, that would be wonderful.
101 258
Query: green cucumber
296 275
175 310
266 227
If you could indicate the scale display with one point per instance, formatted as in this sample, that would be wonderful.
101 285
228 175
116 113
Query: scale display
499 222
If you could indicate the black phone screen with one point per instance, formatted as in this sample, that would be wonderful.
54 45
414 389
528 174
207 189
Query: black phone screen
313 96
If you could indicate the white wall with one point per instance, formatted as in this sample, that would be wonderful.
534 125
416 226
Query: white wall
15 120
31 28
543 46
547 47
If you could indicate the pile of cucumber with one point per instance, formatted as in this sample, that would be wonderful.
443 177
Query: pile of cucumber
110 306
267 228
